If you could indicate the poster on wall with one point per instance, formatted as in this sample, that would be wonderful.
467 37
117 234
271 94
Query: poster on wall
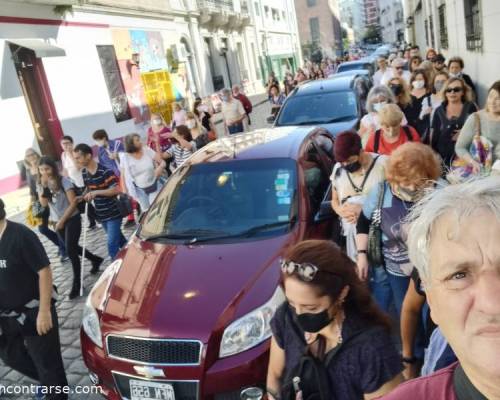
149 46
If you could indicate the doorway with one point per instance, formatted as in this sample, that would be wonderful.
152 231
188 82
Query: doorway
36 91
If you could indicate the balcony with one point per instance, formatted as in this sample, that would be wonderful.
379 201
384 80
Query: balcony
217 13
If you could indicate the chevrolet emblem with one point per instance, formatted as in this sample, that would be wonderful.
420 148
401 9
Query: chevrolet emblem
149 372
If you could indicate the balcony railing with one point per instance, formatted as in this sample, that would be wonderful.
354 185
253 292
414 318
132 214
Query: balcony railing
223 5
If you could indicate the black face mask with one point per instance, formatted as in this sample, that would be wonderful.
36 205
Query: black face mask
396 89
352 167
313 323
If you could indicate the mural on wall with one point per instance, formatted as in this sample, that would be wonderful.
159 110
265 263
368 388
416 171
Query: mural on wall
149 85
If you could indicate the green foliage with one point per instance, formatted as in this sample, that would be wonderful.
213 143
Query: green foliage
63 10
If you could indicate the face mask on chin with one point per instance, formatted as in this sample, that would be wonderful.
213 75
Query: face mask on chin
407 195
352 167
457 75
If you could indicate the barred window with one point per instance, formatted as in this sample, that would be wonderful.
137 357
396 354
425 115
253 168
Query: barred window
473 28
431 31
443 29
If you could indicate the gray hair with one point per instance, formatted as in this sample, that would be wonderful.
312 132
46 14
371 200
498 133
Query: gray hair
461 200
381 90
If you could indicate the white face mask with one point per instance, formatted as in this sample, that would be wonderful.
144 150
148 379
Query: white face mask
378 106
418 84
100 143
156 121
457 75
190 124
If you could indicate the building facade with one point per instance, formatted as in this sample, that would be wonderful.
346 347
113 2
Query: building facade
352 13
391 20
70 67
465 28
319 27
371 12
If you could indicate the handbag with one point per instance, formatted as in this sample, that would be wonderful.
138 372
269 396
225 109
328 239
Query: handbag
374 250
31 220
481 150
124 204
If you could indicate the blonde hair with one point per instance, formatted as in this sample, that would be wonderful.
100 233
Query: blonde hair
405 97
390 115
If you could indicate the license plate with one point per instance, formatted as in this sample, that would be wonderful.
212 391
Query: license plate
144 390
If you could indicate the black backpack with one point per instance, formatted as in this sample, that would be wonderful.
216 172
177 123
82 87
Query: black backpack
313 373
376 145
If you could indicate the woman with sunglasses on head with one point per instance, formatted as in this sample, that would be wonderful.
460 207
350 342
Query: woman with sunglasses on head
449 118
58 193
31 159
330 316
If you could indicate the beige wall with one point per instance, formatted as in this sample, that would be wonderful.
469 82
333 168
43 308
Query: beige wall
143 5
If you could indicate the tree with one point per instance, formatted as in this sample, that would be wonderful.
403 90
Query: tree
373 34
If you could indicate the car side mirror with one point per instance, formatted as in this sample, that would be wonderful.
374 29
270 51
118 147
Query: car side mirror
325 212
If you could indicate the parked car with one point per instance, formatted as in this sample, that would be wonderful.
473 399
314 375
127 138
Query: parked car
183 312
336 104
363 63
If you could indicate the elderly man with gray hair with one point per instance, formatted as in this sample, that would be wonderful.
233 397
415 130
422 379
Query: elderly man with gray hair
453 241
233 113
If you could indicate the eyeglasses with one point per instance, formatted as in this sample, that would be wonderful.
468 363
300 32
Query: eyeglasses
306 271
454 90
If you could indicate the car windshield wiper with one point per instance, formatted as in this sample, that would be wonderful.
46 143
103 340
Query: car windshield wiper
330 121
248 232
190 234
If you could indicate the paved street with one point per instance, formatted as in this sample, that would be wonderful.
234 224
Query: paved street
70 312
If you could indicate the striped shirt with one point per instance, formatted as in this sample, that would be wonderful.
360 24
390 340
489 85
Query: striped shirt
180 154
105 207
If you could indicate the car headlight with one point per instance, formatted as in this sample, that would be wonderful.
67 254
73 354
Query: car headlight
251 329
97 301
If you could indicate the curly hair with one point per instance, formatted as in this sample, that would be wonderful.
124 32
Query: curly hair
413 163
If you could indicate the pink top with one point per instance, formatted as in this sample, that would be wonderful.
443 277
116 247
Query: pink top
179 117
438 386
163 136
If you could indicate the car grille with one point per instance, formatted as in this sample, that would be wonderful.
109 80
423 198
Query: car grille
183 390
154 351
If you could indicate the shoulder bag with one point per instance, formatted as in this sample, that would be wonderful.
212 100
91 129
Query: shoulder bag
374 250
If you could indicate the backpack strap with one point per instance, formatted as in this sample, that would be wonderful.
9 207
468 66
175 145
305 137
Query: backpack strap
407 131
360 188
376 143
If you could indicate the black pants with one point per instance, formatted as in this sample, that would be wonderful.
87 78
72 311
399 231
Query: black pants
38 357
71 237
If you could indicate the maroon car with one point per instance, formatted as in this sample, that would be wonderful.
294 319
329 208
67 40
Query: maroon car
183 312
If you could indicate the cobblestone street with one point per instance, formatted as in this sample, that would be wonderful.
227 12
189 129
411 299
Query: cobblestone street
70 312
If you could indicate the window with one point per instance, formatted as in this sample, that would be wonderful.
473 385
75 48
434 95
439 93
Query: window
431 30
473 29
257 9
266 11
443 30
314 26
311 3
114 83
426 27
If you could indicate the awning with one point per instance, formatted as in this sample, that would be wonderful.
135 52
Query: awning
41 48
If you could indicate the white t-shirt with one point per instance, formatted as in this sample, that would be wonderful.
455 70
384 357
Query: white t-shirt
142 171
232 111
378 76
74 173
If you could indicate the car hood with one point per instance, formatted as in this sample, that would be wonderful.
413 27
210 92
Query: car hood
188 292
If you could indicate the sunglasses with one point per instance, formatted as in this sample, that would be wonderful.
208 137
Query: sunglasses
306 271
454 90
399 67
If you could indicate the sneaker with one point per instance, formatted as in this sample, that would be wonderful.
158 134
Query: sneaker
95 265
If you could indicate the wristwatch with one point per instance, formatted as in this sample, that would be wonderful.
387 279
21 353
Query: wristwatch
409 360
362 251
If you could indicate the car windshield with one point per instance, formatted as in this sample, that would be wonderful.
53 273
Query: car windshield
318 108
351 67
225 200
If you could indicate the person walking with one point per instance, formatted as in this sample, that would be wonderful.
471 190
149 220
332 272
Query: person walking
159 134
456 70
420 94
450 117
108 155
183 146
144 167
245 101
383 69
59 194
31 159
276 99
204 115
198 132
103 189
233 113
29 329
71 171
179 116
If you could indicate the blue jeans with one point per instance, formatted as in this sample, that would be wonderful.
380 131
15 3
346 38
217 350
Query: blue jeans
53 237
388 290
116 240
237 128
